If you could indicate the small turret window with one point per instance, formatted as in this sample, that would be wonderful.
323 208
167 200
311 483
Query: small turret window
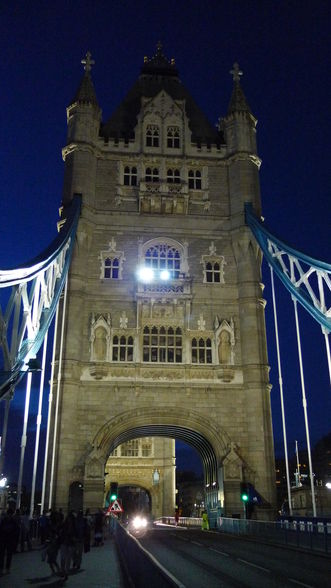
130 176
152 136
152 174
173 176
111 268
194 179
173 139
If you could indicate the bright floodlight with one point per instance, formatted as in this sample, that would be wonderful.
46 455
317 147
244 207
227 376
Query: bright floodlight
145 274
3 482
328 485
165 275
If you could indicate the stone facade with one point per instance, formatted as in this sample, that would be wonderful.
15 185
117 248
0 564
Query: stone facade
183 355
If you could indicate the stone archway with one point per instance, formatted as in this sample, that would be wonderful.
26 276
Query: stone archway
209 439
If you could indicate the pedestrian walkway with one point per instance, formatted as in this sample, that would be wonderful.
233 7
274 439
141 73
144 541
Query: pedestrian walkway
100 569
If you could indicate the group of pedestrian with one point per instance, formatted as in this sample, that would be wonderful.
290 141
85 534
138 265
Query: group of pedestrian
14 533
65 537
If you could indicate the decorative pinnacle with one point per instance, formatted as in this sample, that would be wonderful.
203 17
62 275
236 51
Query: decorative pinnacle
88 62
236 72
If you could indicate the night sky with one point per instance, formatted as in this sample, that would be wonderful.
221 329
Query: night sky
283 49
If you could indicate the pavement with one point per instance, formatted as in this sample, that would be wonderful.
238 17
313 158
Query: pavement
100 569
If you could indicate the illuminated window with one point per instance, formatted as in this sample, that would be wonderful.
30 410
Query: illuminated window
130 176
194 179
173 176
173 141
162 344
111 268
122 348
162 256
130 448
201 350
152 136
213 272
152 174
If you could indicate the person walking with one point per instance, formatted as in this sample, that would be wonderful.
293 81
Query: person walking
205 522
9 536
25 531
68 537
79 544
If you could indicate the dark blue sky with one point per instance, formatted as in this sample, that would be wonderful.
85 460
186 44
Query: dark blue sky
284 51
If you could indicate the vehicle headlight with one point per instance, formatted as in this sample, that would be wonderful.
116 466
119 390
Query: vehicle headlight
139 522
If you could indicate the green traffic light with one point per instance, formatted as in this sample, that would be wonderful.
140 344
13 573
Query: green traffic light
244 497
113 497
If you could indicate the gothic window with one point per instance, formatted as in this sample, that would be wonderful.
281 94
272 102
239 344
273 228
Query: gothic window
152 136
162 256
162 344
173 176
122 348
201 350
130 448
194 179
213 272
152 174
146 447
111 268
130 176
173 141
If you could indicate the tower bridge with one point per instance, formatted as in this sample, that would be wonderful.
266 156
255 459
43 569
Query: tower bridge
160 331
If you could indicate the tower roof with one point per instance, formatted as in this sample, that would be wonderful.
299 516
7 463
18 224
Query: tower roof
85 92
157 74
238 102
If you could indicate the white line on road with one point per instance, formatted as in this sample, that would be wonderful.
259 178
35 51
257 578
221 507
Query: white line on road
218 551
196 543
249 563
300 583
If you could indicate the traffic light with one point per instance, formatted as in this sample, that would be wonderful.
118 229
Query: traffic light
113 491
244 492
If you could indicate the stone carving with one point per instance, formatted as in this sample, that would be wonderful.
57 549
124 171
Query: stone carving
201 323
212 248
123 320
225 341
100 337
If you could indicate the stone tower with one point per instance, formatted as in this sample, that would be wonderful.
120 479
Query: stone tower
165 333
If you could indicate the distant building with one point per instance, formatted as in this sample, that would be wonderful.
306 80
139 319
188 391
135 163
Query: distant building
165 332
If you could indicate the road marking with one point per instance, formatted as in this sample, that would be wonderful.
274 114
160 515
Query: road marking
249 563
300 583
196 543
218 551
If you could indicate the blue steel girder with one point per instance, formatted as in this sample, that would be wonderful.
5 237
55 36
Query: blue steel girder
307 279
31 294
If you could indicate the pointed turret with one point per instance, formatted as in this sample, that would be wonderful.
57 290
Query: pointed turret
86 93
83 118
238 102
240 135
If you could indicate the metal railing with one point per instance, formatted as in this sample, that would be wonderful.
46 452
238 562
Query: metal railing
303 533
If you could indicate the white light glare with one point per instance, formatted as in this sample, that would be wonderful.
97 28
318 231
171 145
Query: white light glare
145 274
164 275
3 482
139 522
328 485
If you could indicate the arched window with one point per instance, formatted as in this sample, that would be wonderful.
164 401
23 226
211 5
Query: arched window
194 179
162 256
201 350
173 140
162 344
122 348
152 174
130 176
152 136
213 272
173 176
111 268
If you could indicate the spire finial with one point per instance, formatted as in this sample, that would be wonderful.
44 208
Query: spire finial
159 48
88 62
236 72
